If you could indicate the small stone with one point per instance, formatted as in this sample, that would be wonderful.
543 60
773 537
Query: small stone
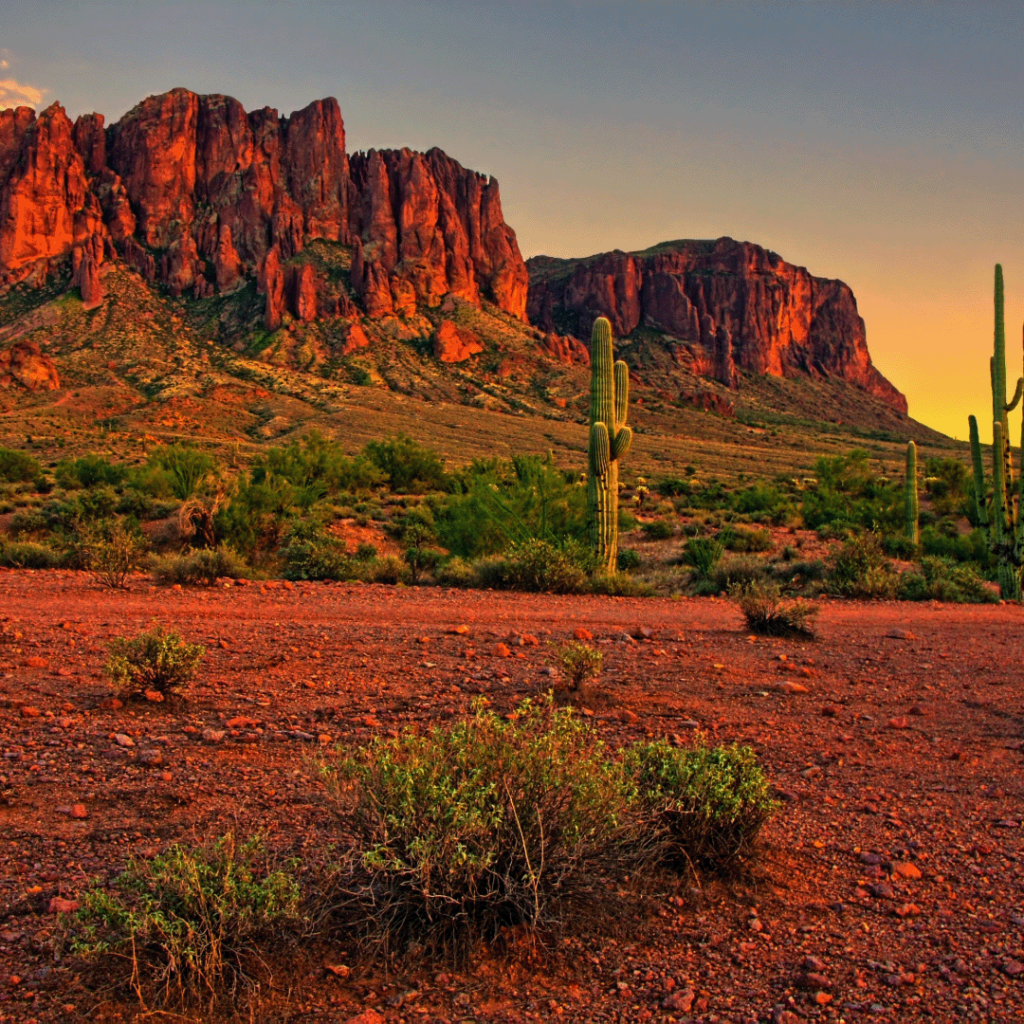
241 722
154 696
1013 968
790 688
829 711
907 910
881 890
123 740
213 735
906 870
35 662
366 1017
812 980
822 998
680 1001
502 651
813 963
869 858
79 811
152 758
900 634
899 723
111 704
579 633
29 712
59 905
458 630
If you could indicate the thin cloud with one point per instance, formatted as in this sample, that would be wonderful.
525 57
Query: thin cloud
14 94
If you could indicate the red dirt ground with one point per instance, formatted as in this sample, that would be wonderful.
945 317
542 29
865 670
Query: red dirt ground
906 745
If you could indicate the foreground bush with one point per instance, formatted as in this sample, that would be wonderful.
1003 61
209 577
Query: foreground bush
475 826
578 662
498 822
710 802
155 661
859 568
188 926
768 613
537 566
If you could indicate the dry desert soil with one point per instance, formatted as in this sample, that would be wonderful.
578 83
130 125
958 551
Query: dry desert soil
891 882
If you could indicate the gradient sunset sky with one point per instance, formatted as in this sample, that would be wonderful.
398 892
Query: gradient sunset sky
880 143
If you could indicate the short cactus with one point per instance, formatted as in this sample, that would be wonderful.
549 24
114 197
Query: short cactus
609 441
910 492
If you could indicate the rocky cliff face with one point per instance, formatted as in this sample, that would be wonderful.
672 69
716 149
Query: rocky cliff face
719 305
199 196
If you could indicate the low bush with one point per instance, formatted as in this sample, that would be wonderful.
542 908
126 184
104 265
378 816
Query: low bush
28 555
17 467
578 662
319 559
157 660
482 824
741 539
628 560
702 554
111 552
456 572
389 569
187 927
739 570
941 579
710 803
859 568
536 566
204 566
659 529
768 613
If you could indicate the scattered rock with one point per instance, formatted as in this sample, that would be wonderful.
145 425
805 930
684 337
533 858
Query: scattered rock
579 633
900 634
79 811
123 740
881 890
59 905
906 870
679 1001
210 735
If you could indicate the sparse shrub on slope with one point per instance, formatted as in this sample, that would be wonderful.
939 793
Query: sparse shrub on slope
17 467
578 661
859 568
157 660
188 928
941 579
205 566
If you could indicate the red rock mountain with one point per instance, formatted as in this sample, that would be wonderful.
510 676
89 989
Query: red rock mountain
720 305
199 196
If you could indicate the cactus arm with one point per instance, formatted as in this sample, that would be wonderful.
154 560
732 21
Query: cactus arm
998 485
999 356
600 450
1012 404
621 393
980 510
621 444
910 494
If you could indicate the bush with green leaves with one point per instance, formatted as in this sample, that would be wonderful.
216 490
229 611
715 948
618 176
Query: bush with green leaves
942 579
191 926
578 661
157 660
88 471
702 554
629 560
743 540
112 551
408 467
456 572
540 567
709 804
474 826
768 613
28 555
659 529
202 567
17 467
859 568
739 570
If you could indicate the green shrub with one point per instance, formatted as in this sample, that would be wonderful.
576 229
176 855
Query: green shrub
739 570
540 567
709 803
28 555
702 554
740 539
456 572
188 926
673 487
578 661
204 566
768 613
629 560
157 660
319 559
475 826
407 466
859 568
941 579
17 467
389 569
186 467
659 529
88 471
112 552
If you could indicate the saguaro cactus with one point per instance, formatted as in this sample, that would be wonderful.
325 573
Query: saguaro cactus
910 493
1003 515
609 442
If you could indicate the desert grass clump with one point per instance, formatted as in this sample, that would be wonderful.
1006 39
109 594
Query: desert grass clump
158 661
28 555
578 662
707 804
202 567
187 928
768 613
475 826
859 568
112 551
942 579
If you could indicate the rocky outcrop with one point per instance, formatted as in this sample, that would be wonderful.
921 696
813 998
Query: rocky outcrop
728 305
453 344
200 197
24 365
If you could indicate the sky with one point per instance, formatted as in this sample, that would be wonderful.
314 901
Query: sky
881 143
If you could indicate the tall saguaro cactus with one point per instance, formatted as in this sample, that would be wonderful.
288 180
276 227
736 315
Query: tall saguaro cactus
910 494
1003 515
609 442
